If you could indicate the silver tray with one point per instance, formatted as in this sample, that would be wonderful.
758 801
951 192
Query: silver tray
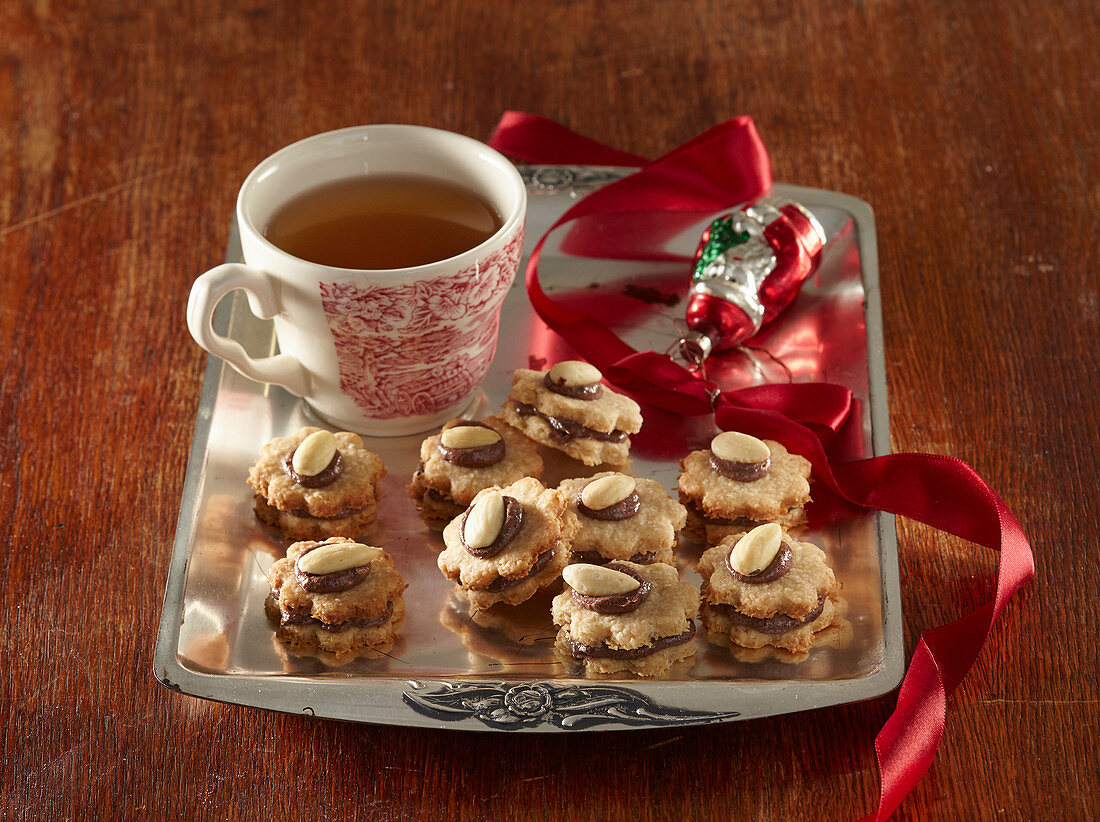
500 672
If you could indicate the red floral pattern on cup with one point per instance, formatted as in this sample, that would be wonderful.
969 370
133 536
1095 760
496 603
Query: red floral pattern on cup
420 347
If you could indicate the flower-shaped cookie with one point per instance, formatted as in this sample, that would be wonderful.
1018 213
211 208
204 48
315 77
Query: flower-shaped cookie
568 409
336 596
741 481
626 617
510 542
623 518
767 588
467 457
314 484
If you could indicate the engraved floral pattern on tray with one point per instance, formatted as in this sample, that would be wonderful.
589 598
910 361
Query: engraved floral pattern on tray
507 706
393 343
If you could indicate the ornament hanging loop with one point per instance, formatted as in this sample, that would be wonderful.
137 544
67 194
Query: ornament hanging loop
685 354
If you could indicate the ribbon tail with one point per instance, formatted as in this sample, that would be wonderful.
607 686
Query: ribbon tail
950 496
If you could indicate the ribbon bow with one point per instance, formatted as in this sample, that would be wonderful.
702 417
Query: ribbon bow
722 167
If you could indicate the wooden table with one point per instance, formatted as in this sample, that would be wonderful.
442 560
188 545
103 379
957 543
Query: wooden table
125 130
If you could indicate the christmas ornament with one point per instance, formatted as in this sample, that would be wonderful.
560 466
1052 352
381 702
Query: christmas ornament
749 266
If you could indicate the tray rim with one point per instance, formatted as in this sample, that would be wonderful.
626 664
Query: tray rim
561 704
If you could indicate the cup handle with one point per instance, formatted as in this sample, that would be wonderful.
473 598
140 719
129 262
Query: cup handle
207 292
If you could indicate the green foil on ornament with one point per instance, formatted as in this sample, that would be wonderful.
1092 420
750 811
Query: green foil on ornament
721 237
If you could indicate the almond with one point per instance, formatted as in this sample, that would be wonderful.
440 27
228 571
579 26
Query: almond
337 556
734 446
314 453
484 521
468 436
574 373
606 491
597 581
755 551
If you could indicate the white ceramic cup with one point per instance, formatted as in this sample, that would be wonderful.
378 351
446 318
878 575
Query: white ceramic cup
381 352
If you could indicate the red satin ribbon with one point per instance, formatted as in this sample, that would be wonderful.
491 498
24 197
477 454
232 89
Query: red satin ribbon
718 169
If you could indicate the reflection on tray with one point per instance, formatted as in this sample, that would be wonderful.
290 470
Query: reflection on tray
504 635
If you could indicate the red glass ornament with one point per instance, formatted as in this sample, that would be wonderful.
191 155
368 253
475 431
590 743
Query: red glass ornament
749 265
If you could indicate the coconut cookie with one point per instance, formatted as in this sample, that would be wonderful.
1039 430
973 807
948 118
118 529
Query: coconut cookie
568 409
510 542
626 617
766 588
622 518
336 596
467 457
315 484
740 482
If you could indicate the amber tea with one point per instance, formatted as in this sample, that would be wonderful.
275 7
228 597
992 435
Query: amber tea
380 221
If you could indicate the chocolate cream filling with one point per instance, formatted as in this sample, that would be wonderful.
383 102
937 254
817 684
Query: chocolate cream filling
590 391
617 603
480 456
563 431
740 471
504 583
513 521
438 496
290 618
778 567
707 518
305 514
623 509
582 651
778 624
328 476
596 558
333 583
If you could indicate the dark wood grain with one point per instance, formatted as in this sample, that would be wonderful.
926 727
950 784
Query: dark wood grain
125 129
